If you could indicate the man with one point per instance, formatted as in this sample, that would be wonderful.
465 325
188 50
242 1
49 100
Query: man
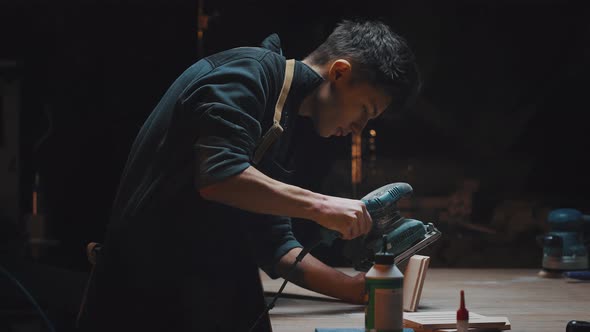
204 201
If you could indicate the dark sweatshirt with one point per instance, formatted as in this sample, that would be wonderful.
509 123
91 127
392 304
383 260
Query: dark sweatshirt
172 260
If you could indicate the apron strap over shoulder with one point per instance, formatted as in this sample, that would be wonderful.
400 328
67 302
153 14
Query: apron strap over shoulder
276 130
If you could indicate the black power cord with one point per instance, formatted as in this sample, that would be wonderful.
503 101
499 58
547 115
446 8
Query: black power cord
298 259
29 297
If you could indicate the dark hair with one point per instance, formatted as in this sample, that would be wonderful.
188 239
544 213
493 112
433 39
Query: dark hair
383 58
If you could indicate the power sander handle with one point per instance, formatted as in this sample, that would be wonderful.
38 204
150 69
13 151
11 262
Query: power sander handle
381 204
328 236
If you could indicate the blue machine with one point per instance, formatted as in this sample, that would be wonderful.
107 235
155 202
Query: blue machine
564 247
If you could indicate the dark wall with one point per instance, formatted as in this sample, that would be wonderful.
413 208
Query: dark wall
503 99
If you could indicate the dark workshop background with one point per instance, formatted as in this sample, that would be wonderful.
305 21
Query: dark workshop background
497 139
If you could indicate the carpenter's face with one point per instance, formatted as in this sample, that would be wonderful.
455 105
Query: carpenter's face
341 105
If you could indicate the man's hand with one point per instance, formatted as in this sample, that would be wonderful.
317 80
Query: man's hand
357 293
348 217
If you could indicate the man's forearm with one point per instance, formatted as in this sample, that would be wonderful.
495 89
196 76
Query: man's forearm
314 275
255 192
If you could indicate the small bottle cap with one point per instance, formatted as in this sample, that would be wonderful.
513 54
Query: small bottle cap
383 257
462 313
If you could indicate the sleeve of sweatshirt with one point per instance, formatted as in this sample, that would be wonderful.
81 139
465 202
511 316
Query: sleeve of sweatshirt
270 239
229 104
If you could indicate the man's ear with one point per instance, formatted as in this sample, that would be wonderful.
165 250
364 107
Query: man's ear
340 69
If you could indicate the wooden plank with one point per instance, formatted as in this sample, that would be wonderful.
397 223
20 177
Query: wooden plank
414 275
507 326
447 319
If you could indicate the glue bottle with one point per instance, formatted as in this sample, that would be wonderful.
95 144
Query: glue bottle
384 286
462 316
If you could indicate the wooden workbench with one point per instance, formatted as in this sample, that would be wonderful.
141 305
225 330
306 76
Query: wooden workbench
531 303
